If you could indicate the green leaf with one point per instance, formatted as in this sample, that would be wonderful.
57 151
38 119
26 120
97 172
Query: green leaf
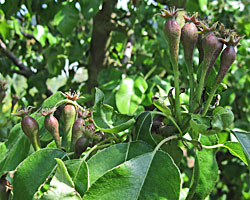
171 148
89 8
17 147
99 97
14 150
104 160
244 139
61 185
33 172
205 172
161 104
199 124
40 34
236 150
130 94
54 61
148 176
222 118
109 79
53 99
5 29
203 5
67 18
10 7
143 128
107 119
78 171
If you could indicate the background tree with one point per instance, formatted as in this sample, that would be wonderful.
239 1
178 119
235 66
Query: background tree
53 45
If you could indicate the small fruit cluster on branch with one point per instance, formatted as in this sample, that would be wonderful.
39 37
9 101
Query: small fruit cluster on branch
78 128
210 43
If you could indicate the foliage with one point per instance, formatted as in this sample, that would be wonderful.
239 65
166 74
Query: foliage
132 132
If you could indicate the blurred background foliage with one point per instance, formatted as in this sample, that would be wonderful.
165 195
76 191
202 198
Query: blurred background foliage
118 46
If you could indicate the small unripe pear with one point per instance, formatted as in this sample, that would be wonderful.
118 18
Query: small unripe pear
30 128
52 125
189 37
69 115
226 60
80 146
77 131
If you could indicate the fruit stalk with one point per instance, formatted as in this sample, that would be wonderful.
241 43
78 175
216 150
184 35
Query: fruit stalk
227 58
209 44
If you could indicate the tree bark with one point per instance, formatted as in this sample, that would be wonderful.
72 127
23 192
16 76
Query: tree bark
102 27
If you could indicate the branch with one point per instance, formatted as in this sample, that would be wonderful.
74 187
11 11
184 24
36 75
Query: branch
24 70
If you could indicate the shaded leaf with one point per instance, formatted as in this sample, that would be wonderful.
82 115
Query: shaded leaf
205 172
109 79
244 139
143 128
171 148
199 124
61 185
78 170
222 118
14 150
33 172
67 18
89 8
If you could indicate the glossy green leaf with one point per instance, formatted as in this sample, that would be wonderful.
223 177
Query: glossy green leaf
244 139
89 8
61 185
222 118
205 172
14 150
104 160
130 94
78 171
143 128
33 172
107 119
236 150
161 104
53 99
67 18
148 176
